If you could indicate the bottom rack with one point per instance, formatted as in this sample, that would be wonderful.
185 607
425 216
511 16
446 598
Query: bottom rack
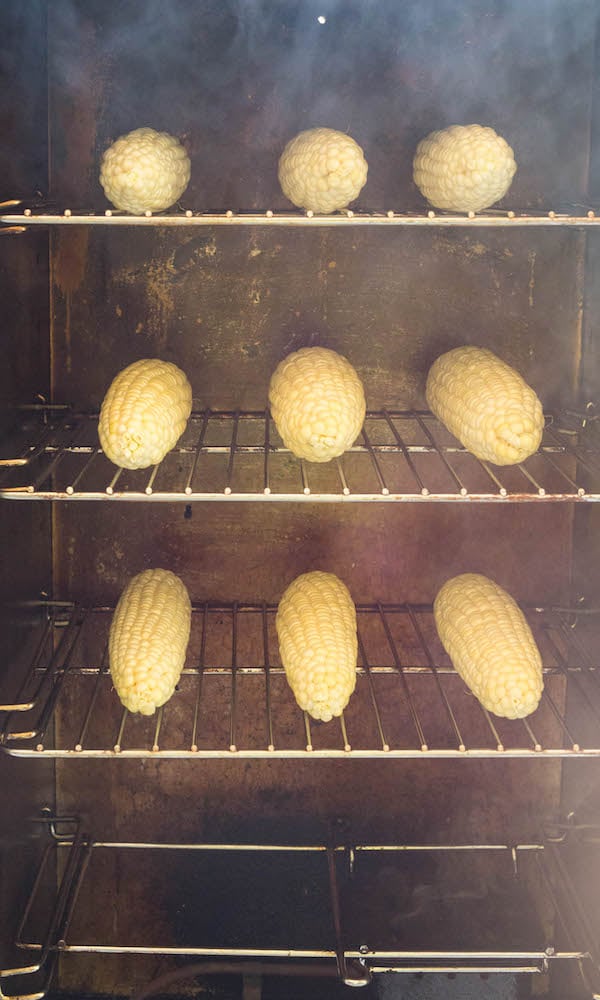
233 697
329 908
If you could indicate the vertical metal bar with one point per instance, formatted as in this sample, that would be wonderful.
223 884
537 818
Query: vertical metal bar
233 720
75 893
102 671
119 740
34 889
407 456
194 745
232 447
537 746
267 447
198 449
307 734
400 669
534 482
60 454
572 678
561 721
157 728
345 739
110 489
304 474
495 734
57 686
342 475
548 458
70 489
569 449
382 484
367 667
150 483
15 705
265 629
501 489
434 670
336 913
457 480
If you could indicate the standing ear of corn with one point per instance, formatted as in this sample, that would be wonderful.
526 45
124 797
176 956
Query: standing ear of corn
464 168
486 404
148 639
144 413
490 644
322 170
316 628
317 402
145 171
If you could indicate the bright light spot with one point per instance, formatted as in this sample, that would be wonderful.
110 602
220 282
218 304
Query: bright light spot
322 19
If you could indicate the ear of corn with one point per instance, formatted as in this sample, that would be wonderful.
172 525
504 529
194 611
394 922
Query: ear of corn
316 628
464 168
144 413
145 171
490 644
148 639
322 170
317 402
486 404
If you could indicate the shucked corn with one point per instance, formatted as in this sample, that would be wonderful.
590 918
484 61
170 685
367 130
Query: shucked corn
144 413
316 628
145 171
317 402
464 168
490 644
486 404
322 170
148 639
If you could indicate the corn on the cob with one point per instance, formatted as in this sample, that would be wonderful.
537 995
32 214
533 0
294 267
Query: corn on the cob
144 413
316 627
145 171
322 170
490 644
317 402
486 404
148 639
464 168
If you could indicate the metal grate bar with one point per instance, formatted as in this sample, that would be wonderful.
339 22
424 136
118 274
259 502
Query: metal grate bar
501 489
157 728
71 487
574 680
548 458
265 632
59 455
367 667
547 697
434 670
342 475
103 672
201 664
232 448
233 719
382 484
532 480
19 704
266 485
458 481
566 446
406 689
197 451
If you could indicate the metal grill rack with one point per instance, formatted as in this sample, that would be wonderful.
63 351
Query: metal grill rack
233 698
576 217
238 456
454 904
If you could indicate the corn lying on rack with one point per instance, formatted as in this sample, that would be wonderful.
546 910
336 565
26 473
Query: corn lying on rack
317 402
316 628
490 644
144 413
486 404
148 639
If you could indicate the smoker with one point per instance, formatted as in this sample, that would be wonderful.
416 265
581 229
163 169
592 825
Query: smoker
229 844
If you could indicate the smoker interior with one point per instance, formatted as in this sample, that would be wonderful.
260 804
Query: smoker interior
226 303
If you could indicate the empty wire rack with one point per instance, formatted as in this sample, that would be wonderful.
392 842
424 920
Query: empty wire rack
313 906
401 455
233 698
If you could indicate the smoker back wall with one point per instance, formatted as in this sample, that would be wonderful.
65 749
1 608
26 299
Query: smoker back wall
238 80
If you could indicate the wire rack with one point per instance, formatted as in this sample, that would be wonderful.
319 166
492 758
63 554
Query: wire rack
467 907
576 217
233 699
400 455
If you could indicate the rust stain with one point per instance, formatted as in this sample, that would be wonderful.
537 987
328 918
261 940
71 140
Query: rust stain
69 274
531 259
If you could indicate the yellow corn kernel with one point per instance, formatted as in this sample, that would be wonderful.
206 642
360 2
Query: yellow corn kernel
490 643
316 628
148 639
317 402
144 413
322 170
486 404
464 168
